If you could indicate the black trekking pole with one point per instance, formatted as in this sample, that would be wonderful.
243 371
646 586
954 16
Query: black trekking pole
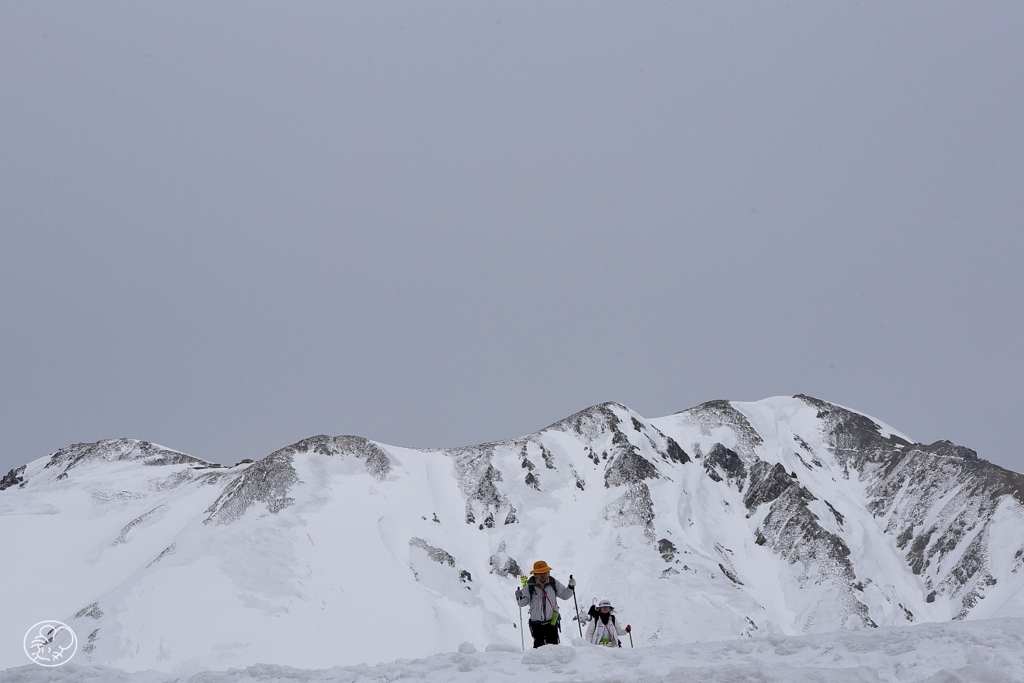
630 632
579 624
522 637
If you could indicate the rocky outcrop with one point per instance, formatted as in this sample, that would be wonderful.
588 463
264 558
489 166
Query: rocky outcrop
821 520
712 415
478 479
503 565
377 462
110 450
855 440
269 480
15 477
266 481
936 500
723 464
590 424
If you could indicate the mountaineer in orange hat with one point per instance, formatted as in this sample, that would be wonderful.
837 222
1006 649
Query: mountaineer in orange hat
542 593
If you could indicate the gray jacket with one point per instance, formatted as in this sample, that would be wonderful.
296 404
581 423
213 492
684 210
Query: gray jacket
542 601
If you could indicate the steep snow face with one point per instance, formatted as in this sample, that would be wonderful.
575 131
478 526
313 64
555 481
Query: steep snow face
783 516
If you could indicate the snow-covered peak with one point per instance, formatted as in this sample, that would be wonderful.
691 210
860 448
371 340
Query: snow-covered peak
788 515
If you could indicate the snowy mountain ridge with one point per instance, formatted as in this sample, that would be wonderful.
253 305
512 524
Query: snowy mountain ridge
783 516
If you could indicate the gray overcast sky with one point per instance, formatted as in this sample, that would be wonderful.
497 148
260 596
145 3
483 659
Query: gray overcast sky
228 226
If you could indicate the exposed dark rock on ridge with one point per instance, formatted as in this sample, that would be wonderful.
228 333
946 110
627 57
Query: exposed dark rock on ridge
633 508
936 502
675 453
378 464
713 414
16 477
265 481
478 477
767 483
795 534
920 481
436 554
627 465
909 483
604 428
728 462
503 565
119 449
123 536
590 423
269 480
895 470
854 439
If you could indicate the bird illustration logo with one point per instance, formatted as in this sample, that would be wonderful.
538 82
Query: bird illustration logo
50 643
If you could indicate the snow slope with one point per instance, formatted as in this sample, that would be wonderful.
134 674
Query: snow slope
988 651
780 517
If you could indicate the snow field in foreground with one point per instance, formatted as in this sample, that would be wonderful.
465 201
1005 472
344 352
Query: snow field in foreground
990 651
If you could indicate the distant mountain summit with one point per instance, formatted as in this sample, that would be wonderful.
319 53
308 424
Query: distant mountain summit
787 515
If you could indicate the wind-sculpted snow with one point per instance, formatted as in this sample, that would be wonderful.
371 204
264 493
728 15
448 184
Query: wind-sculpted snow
990 651
727 520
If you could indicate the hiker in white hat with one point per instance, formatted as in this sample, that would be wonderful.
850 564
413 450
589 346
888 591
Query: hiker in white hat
603 630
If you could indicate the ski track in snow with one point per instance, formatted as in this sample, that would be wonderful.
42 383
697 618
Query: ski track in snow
985 651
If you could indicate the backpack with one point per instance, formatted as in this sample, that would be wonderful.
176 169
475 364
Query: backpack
532 585
594 613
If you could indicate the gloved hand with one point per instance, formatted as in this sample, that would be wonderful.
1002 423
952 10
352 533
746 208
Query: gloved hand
628 628
519 594
572 582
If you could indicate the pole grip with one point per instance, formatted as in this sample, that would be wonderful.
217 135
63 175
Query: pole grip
579 624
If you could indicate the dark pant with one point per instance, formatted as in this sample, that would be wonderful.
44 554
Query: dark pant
543 633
